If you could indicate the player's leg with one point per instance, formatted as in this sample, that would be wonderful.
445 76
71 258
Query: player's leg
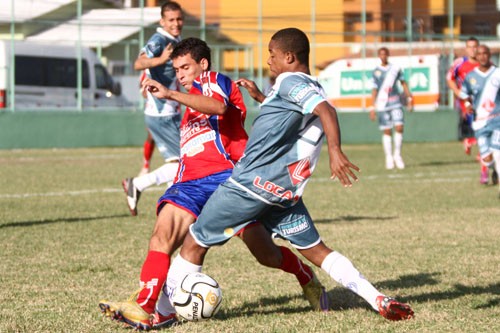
306 239
398 120
165 132
259 242
385 125
169 231
147 152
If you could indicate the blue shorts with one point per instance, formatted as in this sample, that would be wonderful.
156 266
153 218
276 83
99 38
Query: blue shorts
390 118
192 195
166 133
488 137
231 208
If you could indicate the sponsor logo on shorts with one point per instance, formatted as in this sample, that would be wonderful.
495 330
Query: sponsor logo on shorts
295 227
274 189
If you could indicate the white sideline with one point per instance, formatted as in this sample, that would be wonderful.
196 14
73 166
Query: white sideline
466 175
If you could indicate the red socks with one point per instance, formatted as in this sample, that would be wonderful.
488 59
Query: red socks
148 150
292 264
153 276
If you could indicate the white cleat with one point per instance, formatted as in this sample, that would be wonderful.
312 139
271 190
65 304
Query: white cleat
399 162
389 163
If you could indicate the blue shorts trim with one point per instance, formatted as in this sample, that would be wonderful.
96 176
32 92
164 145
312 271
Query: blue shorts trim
192 195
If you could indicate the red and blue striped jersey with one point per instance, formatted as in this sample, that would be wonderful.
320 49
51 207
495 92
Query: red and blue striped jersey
212 143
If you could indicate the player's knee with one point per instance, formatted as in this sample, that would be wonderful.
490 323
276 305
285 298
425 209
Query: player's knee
487 160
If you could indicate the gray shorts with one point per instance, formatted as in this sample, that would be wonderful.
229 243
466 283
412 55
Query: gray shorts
389 119
230 209
166 133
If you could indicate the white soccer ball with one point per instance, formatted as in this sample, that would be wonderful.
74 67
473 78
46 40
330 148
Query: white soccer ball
197 297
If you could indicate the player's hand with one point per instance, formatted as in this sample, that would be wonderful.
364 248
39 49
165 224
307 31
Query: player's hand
468 107
342 168
371 109
252 89
409 103
165 55
156 88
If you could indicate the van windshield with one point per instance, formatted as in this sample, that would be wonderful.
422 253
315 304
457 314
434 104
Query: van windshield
49 72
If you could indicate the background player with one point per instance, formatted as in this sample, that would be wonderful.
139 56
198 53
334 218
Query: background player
282 152
481 94
210 144
162 116
386 99
455 78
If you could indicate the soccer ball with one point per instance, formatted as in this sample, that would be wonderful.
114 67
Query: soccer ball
197 297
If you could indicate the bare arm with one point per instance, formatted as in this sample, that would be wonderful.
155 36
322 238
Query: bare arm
372 107
409 98
340 166
199 103
253 91
453 86
143 62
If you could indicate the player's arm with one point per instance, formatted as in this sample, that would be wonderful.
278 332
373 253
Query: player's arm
465 95
252 89
453 86
409 97
143 61
201 103
371 108
340 166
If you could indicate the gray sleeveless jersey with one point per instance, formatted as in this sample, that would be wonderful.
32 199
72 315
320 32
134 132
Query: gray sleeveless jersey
285 142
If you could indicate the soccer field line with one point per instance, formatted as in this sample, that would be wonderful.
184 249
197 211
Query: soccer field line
431 177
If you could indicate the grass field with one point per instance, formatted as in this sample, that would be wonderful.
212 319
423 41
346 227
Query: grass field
428 235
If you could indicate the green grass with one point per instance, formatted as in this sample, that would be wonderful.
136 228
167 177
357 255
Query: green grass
427 235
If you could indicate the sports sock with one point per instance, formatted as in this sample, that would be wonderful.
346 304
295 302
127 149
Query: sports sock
178 270
387 144
165 173
292 264
342 270
398 143
153 275
148 149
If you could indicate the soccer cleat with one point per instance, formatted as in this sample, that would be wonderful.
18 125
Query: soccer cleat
484 176
399 162
316 294
391 309
389 163
160 321
133 195
128 312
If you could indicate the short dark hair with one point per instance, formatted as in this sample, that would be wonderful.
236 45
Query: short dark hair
472 39
170 6
383 48
295 41
197 48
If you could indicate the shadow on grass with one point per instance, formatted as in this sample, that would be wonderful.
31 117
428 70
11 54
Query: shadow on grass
444 163
343 299
460 290
350 218
60 220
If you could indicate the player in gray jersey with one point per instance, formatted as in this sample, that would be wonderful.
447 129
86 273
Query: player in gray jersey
481 93
386 98
268 181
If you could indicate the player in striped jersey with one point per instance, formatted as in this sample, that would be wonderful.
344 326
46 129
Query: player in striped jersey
481 95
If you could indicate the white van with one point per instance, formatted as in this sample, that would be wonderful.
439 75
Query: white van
46 77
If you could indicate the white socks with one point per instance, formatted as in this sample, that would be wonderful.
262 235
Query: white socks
398 142
178 270
387 144
165 173
341 270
